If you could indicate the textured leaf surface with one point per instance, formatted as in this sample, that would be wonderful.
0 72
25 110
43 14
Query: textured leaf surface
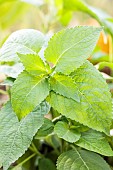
63 131
33 64
15 136
23 41
46 164
95 141
46 129
68 49
81 160
27 92
94 108
65 86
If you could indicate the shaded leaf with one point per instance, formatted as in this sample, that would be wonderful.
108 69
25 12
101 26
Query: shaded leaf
46 164
46 129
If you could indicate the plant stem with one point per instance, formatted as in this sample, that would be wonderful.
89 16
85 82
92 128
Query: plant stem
57 118
73 147
32 149
36 150
23 162
3 92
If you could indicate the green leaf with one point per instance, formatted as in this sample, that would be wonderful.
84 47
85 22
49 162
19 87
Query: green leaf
11 11
63 131
69 48
94 108
23 41
15 136
33 64
27 92
96 142
102 17
46 164
81 159
45 130
7 82
65 86
12 71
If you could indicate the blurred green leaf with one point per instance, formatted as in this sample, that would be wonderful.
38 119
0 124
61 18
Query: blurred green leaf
12 71
34 2
20 41
102 65
11 11
96 13
46 164
99 57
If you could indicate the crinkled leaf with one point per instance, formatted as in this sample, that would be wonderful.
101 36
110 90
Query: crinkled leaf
81 160
96 142
46 129
65 86
33 64
63 131
94 108
27 92
23 41
15 136
68 49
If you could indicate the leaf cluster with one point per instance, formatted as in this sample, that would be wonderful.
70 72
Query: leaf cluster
61 80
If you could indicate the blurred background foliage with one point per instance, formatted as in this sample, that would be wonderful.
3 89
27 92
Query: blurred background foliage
50 16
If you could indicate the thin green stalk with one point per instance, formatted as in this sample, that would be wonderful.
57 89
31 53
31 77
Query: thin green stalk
3 92
32 149
23 162
73 147
36 150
